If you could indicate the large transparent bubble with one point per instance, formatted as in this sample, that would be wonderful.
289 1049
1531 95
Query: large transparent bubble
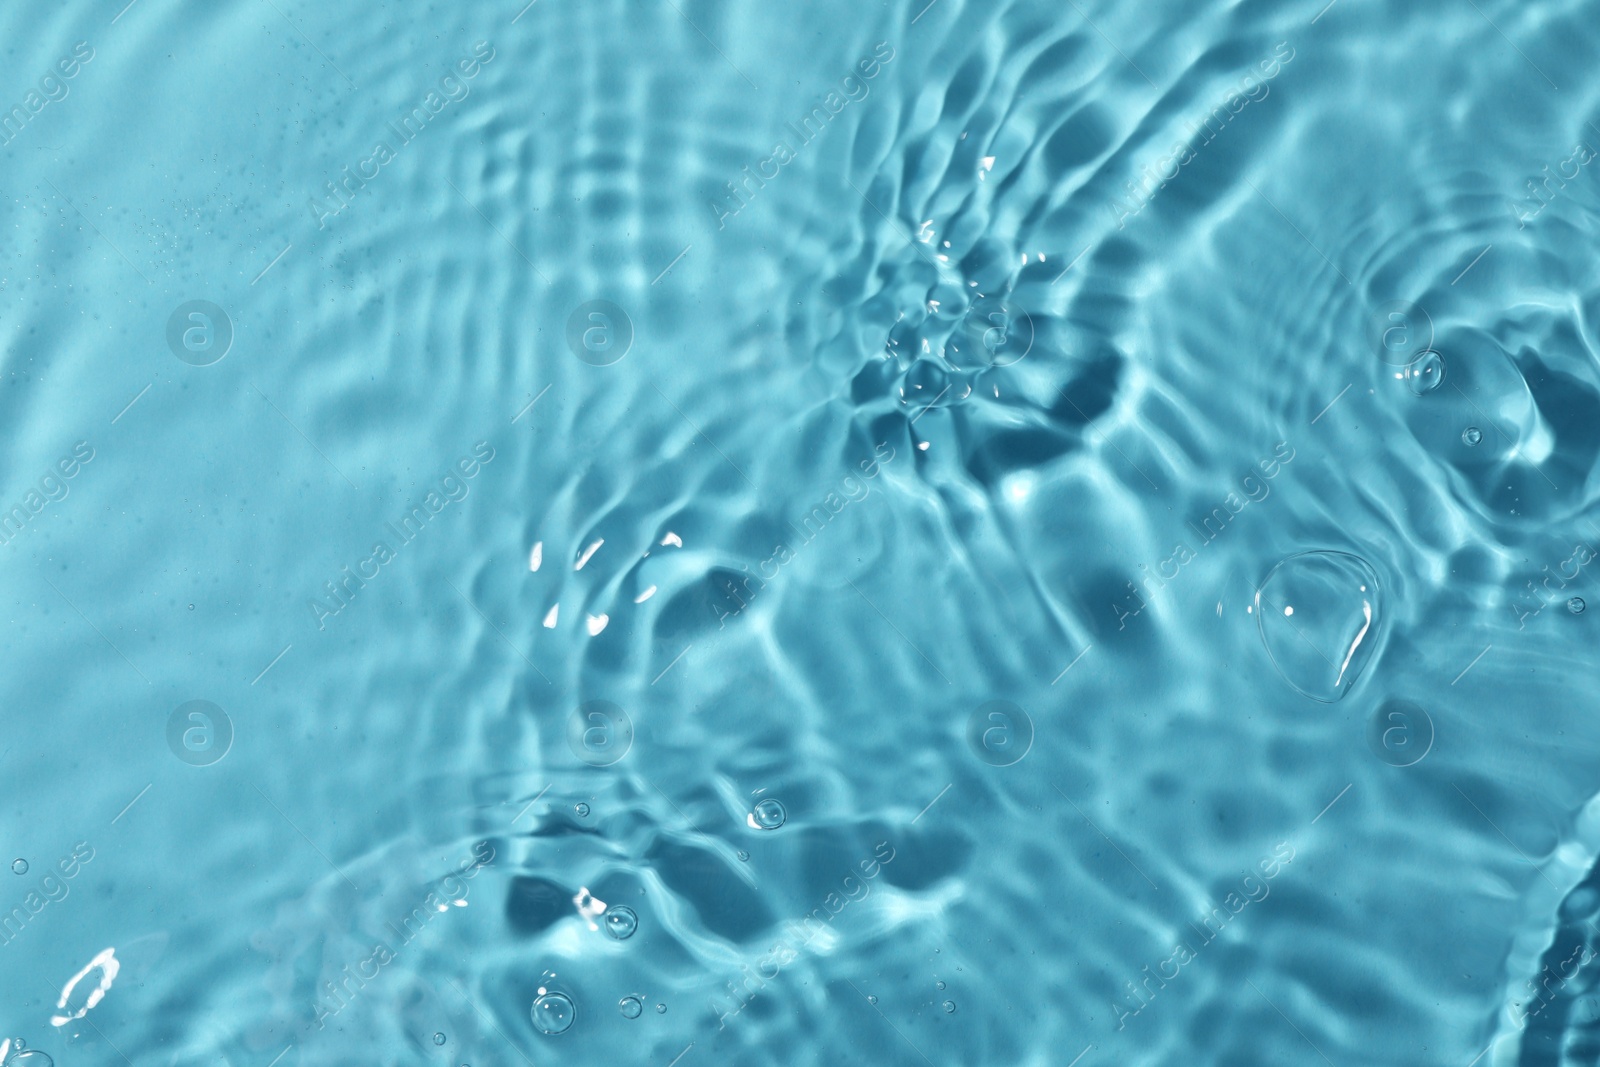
1320 616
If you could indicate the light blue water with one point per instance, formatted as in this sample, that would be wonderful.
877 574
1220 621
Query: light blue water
706 532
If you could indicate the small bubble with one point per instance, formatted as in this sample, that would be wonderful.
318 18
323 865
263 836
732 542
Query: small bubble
1471 436
949 1007
582 810
621 923
631 1007
191 607
438 1038
1424 374
553 1013
661 1009
744 857
872 998
939 984
769 814
19 866
1575 605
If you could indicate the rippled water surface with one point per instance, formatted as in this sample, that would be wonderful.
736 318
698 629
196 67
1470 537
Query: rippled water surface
703 532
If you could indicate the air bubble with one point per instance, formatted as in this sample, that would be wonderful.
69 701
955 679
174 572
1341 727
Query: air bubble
661 1009
939 984
438 1038
1575 605
1322 645
872 998
621 923
744 857
1425 373
768 814
949 1007
19 866
553 1013
1471 436
582 810
631 1007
